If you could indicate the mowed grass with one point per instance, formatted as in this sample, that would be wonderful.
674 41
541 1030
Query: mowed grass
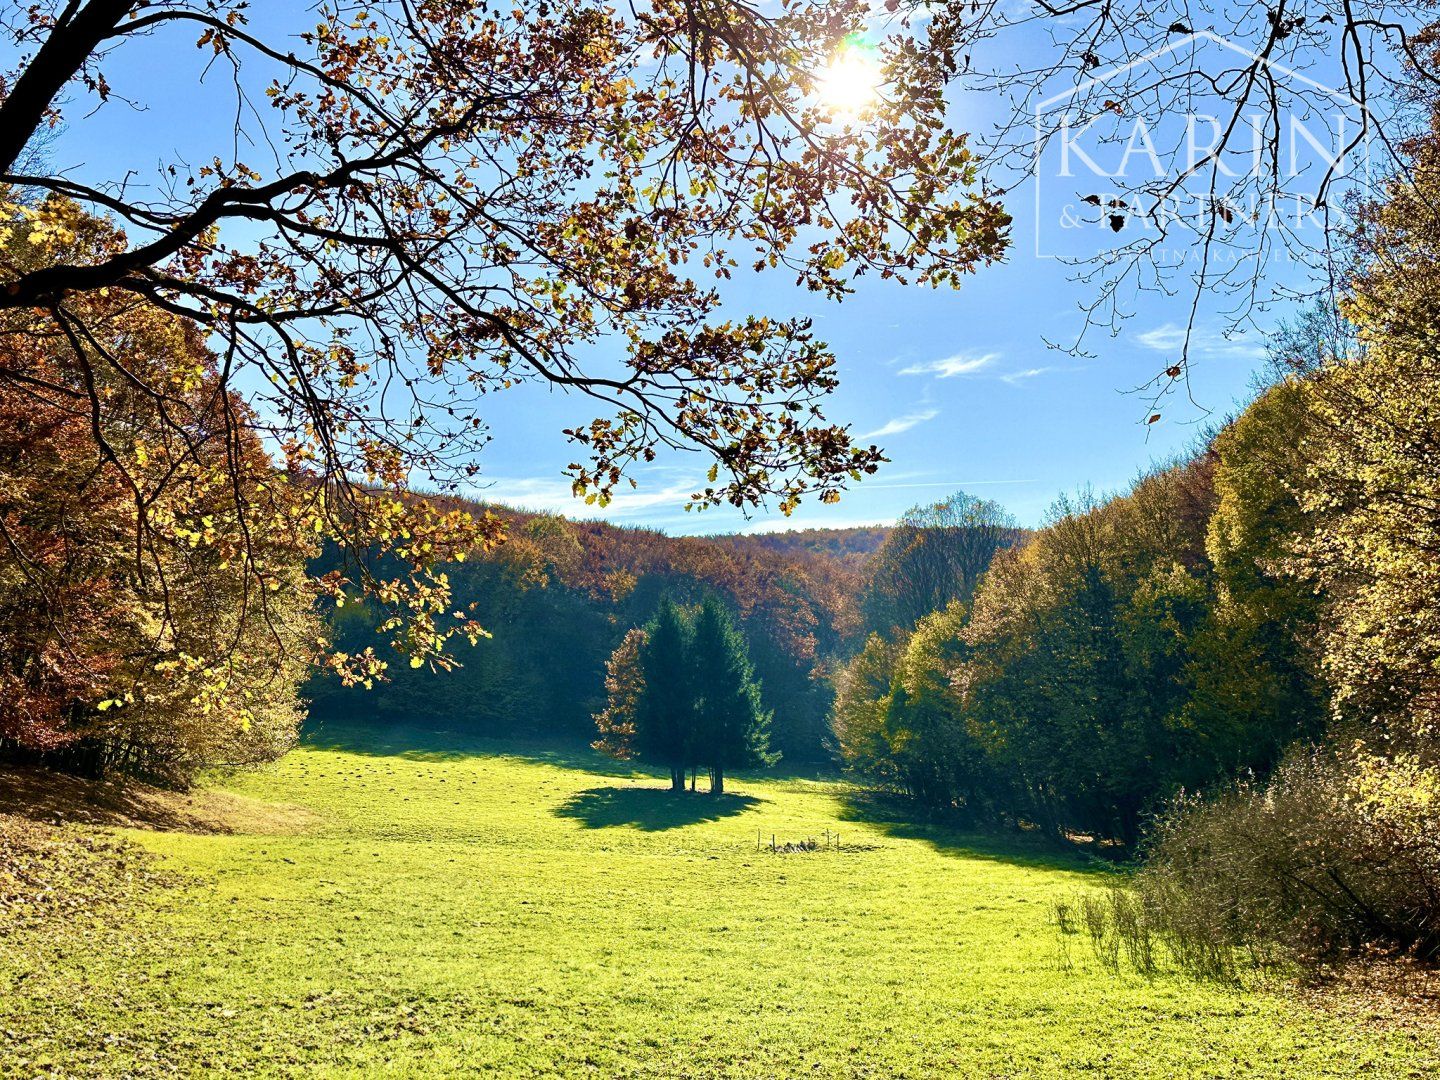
457 907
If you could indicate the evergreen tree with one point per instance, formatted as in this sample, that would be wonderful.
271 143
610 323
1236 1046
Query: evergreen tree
665 710
731 729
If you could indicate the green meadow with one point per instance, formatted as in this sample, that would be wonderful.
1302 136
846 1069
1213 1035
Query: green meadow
411 906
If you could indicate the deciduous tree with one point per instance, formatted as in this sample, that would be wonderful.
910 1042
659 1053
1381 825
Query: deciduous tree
624 687
163 644
933 555
437 201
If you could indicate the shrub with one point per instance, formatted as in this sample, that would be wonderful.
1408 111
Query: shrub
1336 855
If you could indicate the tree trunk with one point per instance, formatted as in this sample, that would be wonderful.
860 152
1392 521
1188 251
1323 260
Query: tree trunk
677 778
63 53
694 771
717 780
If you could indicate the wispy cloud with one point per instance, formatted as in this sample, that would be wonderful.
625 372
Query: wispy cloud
554 495
1014 378
984 365
901 423
1205 344
950 366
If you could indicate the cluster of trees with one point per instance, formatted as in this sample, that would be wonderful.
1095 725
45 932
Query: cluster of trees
154 641
559 595
682 694
1128 649
1265 607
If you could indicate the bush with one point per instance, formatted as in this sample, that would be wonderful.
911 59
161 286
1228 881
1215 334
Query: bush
1334 856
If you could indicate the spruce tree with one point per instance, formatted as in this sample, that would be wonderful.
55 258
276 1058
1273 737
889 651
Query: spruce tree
731 729
665 710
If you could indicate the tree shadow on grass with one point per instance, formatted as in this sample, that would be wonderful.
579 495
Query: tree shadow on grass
951 835
649 809
418 742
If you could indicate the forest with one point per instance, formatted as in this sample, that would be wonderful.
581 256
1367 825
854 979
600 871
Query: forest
320 755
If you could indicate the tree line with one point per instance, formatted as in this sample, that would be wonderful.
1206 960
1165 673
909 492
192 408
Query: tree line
560 596
1131 648
1237 657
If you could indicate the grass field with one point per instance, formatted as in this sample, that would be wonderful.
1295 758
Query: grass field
452 906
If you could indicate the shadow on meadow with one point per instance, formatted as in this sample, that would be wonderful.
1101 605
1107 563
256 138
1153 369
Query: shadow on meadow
54 798
650 809
903 819
417 743
656 808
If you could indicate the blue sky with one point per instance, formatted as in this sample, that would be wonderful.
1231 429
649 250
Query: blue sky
959 387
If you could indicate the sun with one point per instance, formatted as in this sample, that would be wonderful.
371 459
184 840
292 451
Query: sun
851 83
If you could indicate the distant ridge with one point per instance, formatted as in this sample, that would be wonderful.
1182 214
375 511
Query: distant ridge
846 545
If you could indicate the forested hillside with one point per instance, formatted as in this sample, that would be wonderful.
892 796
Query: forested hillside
559 595
852 546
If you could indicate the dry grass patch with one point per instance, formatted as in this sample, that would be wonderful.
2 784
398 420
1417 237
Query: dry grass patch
1382 991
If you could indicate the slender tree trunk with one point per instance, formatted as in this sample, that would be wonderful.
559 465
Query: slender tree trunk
694 770
717 780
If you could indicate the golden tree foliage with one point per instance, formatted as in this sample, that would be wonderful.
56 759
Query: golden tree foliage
1375 489
144 401
624 683
464 196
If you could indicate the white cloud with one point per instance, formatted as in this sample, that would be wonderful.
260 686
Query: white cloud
901 423
1162 338
1016 377
1204 344
950 366
553 495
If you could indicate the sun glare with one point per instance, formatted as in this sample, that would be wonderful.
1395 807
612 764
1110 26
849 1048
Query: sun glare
851 83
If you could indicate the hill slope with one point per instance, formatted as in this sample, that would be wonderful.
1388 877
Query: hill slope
462 906
558 597
851 546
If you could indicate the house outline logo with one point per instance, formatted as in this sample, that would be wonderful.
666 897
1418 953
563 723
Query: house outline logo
1189 40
